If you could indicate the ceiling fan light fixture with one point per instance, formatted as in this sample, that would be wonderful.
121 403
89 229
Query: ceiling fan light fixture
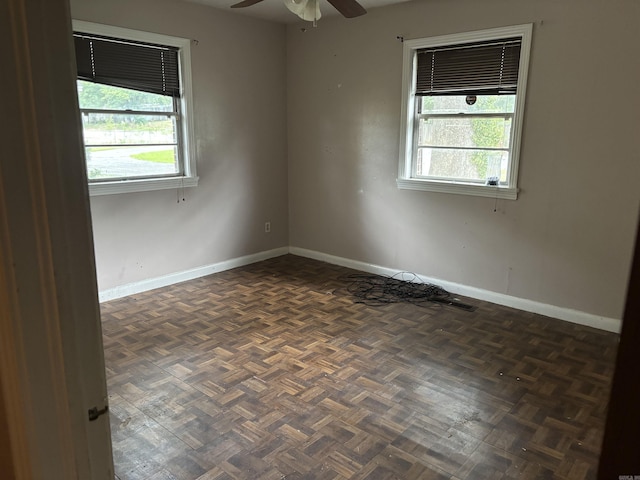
308 10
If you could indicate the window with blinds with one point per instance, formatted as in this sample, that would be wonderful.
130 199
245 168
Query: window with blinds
463 103
134 101
482 68
121 63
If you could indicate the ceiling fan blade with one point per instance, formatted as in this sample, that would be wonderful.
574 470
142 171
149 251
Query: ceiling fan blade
245 3
348 8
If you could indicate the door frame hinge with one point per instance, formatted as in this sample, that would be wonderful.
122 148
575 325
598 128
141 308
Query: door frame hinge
94 413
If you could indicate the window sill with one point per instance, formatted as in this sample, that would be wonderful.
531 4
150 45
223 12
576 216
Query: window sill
507 193
142 185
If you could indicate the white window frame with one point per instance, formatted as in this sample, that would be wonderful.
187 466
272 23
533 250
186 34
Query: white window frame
189 177
406 180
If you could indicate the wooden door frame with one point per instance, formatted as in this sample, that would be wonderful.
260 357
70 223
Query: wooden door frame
48 293
619 456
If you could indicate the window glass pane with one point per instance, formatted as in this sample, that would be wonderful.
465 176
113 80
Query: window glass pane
464 132
118 129
458 104
467 165
106 97
127 162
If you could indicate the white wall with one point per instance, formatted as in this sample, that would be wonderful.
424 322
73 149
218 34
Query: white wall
240 128
566 241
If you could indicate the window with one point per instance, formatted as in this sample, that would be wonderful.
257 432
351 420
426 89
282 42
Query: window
463 101
134 93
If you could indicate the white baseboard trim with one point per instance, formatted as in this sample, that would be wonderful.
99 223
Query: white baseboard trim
567 314
177 277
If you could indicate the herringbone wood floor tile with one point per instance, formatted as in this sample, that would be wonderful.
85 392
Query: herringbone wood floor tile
273 371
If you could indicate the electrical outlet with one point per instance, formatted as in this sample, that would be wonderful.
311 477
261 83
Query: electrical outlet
267 227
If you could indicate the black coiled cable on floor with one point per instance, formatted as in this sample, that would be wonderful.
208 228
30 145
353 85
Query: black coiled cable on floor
376 290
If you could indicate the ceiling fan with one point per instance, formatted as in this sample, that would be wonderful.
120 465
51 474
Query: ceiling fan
309 10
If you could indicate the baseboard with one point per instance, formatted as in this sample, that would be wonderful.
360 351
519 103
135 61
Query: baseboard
177 277
567 314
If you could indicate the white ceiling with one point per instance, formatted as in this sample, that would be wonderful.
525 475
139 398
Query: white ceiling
275 10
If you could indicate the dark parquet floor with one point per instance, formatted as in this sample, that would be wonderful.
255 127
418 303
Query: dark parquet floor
273 371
